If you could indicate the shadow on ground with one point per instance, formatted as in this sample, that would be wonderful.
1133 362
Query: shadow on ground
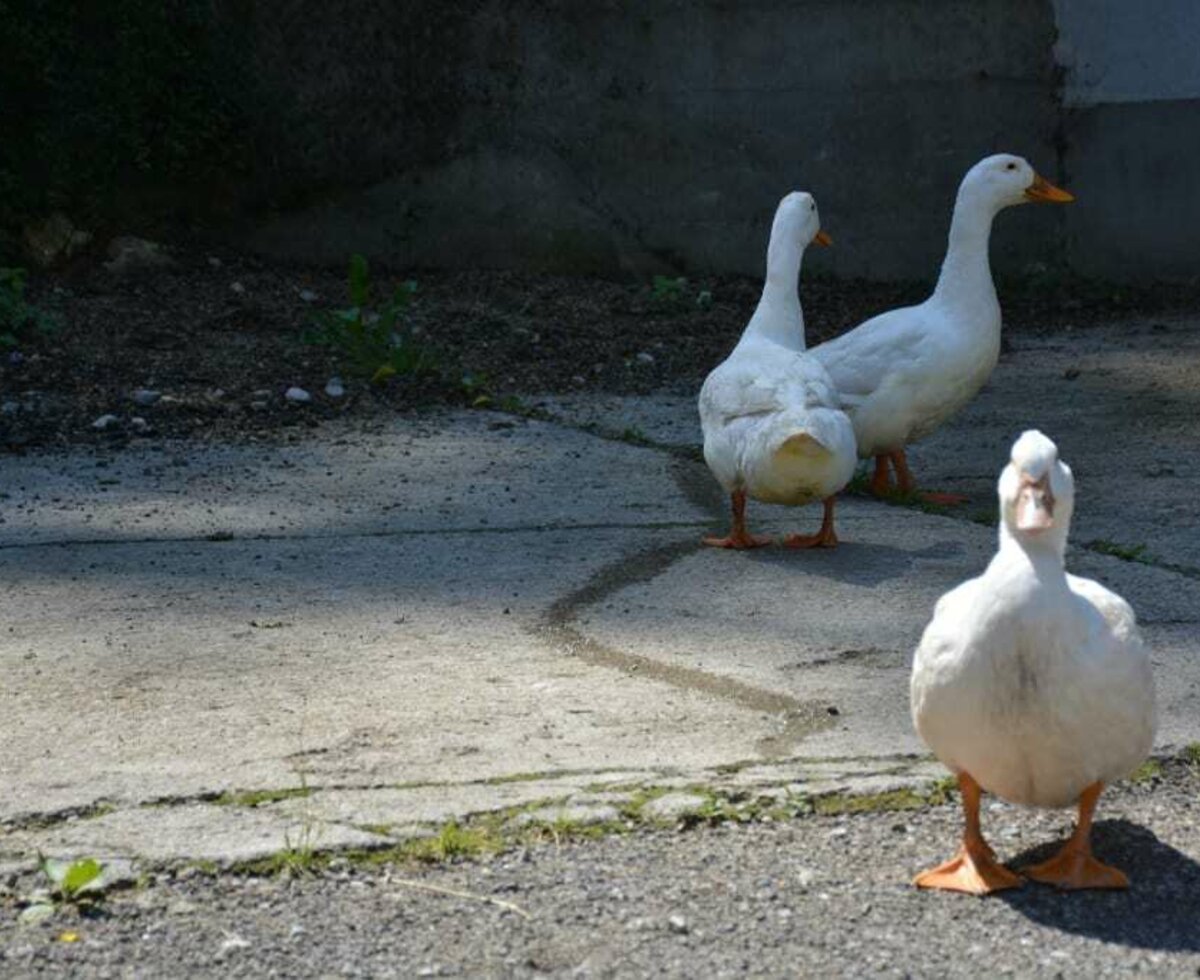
1157 912
853 562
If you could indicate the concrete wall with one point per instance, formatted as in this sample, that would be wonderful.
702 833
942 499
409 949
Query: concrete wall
656 135
619 136
1131 129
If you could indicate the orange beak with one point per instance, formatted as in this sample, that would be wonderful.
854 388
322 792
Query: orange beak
1035 505
822 238
1042 190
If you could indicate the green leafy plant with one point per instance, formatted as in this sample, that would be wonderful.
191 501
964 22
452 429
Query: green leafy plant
667 290
475 388
79 884
20 322
375 344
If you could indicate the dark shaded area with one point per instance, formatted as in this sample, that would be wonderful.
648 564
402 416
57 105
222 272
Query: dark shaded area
116 111
1158 910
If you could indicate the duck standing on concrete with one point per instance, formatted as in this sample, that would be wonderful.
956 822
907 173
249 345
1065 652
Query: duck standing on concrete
902 373
772 426
1031 683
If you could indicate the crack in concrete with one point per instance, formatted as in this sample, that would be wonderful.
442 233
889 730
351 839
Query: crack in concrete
706 495
800 718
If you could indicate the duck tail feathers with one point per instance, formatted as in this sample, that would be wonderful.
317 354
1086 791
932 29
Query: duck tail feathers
801 444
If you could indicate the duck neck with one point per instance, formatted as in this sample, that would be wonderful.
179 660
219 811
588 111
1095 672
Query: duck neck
966 276
778 316
1045 552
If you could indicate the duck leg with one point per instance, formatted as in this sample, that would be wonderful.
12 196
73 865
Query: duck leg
1074 866
974 869
824 538
881 484
738 536
906 483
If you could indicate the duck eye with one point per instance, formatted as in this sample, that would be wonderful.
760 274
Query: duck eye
1010 166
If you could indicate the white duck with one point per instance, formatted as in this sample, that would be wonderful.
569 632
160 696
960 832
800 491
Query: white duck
1031 683
772 426
904 372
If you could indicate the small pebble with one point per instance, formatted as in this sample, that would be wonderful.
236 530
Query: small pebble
308 296
139 424
678 924
104 422
145 396
334 388
645 358
237 287
297 395
9 408
234 942
214 262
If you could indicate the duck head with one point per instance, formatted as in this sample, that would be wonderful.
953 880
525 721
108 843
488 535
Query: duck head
1004 180
1037 494
797 222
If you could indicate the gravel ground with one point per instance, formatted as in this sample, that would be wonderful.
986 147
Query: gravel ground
818 895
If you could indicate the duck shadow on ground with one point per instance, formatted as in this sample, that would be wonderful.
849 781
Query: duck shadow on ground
1157 912
854 562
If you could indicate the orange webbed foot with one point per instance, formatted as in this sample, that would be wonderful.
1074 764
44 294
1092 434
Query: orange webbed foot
974 871
740 542
819 540
1072 869
824 538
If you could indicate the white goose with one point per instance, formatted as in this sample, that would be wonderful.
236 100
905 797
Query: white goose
904 372
1031 683
772 426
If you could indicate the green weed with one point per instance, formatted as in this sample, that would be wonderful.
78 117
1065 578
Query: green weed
20 322
79 884
374 344
667 290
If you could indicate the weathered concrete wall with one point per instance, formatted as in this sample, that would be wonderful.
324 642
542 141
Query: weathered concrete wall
639 136
1131 95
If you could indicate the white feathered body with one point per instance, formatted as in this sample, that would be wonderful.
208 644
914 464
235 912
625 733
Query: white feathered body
901 374
1036 684
772 425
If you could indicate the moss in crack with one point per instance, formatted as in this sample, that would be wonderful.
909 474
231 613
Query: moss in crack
1135 552
258 797
44 821
483 835
379 829
904 798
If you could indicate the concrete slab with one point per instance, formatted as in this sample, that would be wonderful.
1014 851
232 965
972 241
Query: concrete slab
462 612
1121 401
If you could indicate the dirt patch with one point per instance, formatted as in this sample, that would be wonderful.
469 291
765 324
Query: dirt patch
219 338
